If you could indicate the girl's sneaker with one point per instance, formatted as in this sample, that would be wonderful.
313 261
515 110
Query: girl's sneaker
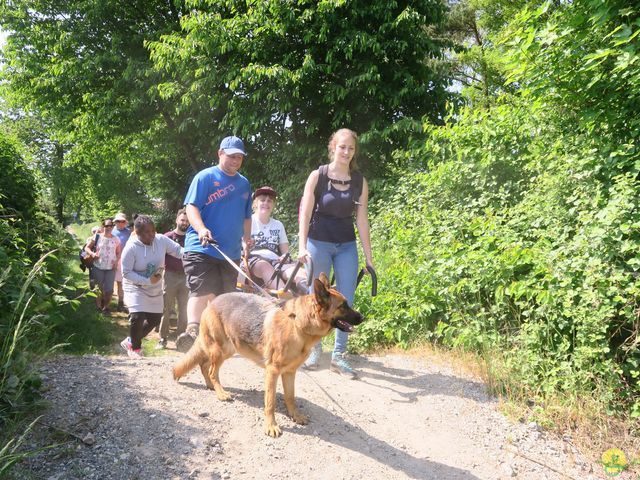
314 357
126 344
339 364
136 354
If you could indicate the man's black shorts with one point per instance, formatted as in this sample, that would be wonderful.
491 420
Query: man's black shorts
206 275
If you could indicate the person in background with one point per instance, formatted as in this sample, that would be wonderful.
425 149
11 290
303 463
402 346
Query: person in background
332 195
174 286
142 270
107 255
122 232
97 230
270 245
218 206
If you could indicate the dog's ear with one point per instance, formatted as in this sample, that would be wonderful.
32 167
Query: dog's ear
323 297
324 279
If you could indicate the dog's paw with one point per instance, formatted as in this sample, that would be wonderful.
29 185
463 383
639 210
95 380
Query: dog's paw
272 429
299 418
223 395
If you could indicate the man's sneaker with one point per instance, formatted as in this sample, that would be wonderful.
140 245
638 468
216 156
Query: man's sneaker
126 344
122 308
137 353
162 344
339 364
186 340
314 357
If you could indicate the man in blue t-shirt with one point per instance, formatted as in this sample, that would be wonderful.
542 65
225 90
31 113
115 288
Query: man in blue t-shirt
218 206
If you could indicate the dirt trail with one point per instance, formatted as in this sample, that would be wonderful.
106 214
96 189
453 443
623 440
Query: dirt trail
406 418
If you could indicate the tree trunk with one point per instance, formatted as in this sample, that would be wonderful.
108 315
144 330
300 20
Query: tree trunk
59 196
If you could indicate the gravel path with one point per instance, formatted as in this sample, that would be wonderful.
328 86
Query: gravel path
406 418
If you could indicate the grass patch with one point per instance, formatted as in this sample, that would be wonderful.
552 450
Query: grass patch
81 231
149 348
79 328
84 330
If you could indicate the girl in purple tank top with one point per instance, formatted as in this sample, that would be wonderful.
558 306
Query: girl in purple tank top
333 195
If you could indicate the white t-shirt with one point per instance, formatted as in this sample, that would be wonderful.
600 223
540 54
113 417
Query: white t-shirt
267 238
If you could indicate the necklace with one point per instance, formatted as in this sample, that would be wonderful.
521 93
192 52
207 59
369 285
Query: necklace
339 182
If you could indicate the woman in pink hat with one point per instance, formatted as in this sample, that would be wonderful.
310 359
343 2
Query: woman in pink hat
270 245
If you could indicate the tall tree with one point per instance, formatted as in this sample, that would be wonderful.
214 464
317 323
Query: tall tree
84 67
165 81
286 74
476 65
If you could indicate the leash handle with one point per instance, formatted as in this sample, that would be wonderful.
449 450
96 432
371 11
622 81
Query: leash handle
374 279
363 271
293 275
309 271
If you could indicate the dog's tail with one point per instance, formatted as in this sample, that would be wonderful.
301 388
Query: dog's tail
187 363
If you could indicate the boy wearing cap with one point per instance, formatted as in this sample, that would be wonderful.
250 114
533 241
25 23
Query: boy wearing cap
218 206
122 232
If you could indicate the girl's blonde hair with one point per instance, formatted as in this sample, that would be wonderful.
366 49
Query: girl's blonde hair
331 147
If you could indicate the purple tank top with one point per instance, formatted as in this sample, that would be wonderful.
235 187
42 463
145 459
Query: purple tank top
332 219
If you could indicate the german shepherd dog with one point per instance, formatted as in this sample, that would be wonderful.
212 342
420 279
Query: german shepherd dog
277 338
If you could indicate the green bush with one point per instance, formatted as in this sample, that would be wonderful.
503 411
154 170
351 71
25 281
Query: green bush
33 279
511 240
514 230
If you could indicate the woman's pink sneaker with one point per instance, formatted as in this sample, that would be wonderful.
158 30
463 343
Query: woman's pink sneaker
137 353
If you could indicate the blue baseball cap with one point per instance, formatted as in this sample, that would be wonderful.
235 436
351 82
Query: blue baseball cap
232 145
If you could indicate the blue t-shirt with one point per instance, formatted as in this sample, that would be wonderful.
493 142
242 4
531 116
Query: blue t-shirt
122 235
224 202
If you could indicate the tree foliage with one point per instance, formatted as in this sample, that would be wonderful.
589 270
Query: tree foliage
291 73
165 82
82 69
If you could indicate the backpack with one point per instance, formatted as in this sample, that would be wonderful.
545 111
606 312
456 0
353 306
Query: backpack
86 261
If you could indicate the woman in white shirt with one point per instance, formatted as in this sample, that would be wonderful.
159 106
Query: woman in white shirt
270 245
107 255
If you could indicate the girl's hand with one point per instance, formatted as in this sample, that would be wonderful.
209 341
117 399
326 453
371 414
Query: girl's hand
303 255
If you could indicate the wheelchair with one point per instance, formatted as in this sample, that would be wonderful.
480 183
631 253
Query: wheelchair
286 287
